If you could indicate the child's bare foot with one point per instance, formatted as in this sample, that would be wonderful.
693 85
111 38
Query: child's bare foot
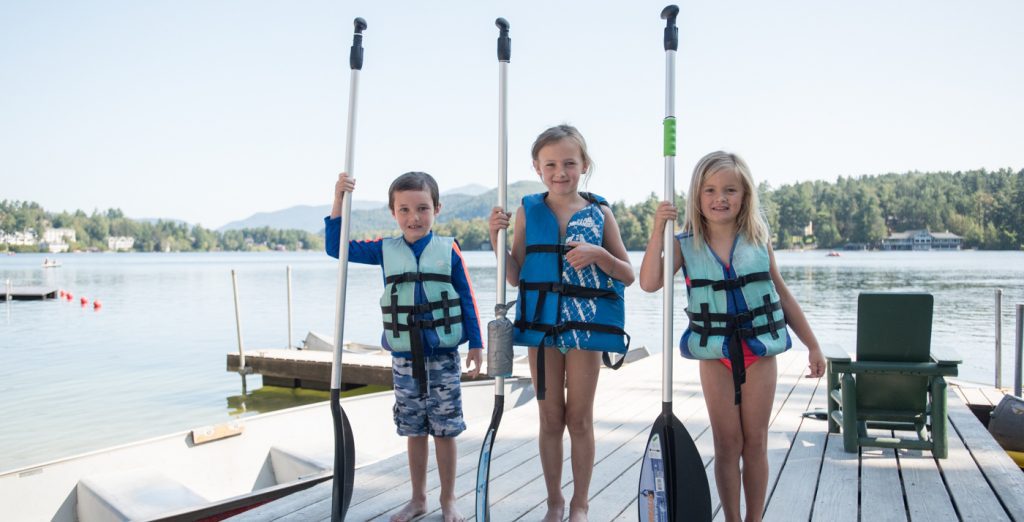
411 510
450 511
555 511
577 514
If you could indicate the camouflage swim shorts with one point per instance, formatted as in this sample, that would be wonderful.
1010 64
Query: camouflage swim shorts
439 413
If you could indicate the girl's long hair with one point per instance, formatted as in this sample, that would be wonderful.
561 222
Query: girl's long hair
750 221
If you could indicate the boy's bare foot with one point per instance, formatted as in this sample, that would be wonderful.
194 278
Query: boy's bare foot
411 510
577 514
450 511
555 511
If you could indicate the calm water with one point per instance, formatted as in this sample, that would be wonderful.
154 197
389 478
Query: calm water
152 360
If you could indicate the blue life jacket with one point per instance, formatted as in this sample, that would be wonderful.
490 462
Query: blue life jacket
404 317
729 305
559 305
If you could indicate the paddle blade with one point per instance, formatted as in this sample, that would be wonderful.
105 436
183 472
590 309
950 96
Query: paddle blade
673 484
483 468
651 495
344 460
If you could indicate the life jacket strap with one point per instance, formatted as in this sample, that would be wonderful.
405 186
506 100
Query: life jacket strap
421 308
423 324
417 277
548 249
731 284
566 290
705 318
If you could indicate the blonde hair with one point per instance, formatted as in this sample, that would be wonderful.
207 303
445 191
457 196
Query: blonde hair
564 132
750 221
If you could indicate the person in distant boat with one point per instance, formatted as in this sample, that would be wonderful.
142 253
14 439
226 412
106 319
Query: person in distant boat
429 309
571 267
739 307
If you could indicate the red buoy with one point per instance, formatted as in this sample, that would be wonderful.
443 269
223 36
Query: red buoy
61 294
68 296
96 305
84 301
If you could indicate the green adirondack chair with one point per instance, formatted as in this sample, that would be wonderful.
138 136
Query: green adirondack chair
896 383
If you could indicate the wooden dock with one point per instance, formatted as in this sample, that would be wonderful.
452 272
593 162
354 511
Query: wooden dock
311 369
811 477
28 293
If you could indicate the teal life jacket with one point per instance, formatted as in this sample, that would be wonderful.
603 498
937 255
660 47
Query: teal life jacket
561 306
731 304
404 317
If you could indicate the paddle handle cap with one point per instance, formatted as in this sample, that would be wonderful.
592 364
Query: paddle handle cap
669 14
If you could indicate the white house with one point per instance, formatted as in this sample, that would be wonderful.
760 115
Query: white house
117 243
922 240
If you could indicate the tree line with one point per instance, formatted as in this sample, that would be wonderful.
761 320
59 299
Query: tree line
985 208
92 231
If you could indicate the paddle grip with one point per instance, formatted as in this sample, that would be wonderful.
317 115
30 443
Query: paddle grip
671 31
355 56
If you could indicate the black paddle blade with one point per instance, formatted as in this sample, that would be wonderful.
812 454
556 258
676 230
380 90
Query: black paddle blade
673 484
483 468
344 460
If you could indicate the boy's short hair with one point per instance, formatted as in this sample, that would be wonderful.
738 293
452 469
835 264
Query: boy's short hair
414 181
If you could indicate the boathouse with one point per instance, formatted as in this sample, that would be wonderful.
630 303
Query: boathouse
922 240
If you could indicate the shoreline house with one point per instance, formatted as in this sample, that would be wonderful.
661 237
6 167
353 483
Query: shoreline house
922 240
57 240
120 243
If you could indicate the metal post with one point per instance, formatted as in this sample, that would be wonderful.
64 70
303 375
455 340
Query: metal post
999 338
238 323
288 275
1020 350
8 297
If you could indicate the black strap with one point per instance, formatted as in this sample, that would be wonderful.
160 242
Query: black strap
419 362
420 308
417 277
737 319
739 369
553 331
548 249
422 324
447 312
567 290
731 284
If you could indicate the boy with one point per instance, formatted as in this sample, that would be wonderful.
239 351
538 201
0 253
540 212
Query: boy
428 309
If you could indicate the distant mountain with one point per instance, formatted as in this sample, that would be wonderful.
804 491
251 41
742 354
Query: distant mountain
300 217
468 202
472 189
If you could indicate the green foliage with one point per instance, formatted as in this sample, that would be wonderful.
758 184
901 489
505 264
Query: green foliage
92 231
985 208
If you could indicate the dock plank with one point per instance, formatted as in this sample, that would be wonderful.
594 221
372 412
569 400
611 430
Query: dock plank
793 496
971 494
1004 477
836 496
927 497
811 477
880 484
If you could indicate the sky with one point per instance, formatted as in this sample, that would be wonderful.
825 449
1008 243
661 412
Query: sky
212 111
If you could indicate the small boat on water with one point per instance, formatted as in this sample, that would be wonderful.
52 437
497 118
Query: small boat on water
50 263
832 253
212 472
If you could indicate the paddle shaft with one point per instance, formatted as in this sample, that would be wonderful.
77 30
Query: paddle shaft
344 450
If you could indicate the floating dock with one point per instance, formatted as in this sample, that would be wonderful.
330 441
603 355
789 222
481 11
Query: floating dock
28 293
311 369
810 478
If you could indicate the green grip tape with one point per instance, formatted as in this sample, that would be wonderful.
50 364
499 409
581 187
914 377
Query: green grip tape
670 136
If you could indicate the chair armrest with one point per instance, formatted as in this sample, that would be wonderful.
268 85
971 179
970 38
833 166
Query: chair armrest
901 368
946 357
834 352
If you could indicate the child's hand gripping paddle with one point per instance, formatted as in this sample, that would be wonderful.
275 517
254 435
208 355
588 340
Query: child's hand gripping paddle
673 484
344 446
499 331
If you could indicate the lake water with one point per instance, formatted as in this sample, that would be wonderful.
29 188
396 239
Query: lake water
152 360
